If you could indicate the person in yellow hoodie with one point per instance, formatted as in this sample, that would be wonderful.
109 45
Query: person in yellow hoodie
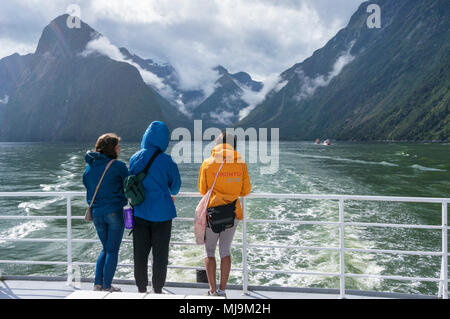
232 182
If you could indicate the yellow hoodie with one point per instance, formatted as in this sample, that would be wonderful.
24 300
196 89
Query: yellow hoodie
232 181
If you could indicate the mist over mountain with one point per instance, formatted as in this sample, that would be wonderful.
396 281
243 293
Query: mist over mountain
220 108
388 83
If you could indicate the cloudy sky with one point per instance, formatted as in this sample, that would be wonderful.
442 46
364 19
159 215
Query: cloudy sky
261 37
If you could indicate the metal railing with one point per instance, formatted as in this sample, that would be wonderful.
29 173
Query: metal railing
342 274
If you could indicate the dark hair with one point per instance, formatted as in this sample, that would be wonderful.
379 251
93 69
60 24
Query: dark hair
227 138
106 144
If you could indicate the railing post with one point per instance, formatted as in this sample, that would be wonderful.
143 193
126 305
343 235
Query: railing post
69 241
342 249
444 268
244 248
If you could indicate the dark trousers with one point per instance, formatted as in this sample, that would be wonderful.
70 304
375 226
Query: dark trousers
153 236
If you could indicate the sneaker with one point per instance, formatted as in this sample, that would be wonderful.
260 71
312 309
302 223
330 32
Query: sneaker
158 293
143 291
98 287
209 293
113 289
221 293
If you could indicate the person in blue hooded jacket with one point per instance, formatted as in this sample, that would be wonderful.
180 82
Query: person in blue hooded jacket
153 217
108 205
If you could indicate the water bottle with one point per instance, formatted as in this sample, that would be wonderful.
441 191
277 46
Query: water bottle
128 217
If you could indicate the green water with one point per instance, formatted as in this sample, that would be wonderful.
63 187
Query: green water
397 169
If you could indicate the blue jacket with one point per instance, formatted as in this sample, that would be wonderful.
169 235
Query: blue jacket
110 197
163 178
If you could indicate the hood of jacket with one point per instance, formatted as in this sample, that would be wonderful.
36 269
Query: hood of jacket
225 152
95 158
156 135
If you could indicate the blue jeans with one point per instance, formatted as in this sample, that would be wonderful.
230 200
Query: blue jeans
110 229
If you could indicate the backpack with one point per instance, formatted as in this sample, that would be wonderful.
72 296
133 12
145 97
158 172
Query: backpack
133 188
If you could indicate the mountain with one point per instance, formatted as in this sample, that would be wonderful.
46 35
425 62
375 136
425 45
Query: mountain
11 67
63 95
391 83
219 109
222 107
169 76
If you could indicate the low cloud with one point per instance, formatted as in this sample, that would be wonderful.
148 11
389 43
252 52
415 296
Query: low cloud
103 46
193 75
9 47
223 117
273 83
190 77
5 100
182 107
309 85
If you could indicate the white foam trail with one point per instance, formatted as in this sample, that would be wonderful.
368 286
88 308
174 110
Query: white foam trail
38 205
54 187
384 163
68 175
423 168
23 230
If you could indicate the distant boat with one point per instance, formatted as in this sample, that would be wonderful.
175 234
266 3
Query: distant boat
327 142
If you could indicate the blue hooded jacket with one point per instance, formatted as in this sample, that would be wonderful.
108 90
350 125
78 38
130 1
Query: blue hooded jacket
110 197
163 178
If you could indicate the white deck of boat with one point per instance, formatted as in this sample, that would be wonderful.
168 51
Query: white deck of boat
34 289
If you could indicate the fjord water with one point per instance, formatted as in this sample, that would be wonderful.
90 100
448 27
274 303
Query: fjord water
389 169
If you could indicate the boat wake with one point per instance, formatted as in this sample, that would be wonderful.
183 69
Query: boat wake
430 169
23 230
384 163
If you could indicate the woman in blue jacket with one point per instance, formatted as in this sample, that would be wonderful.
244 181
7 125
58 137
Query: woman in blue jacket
153 217
108 205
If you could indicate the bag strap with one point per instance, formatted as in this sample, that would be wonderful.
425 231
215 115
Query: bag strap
101 179
151 161
217 174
